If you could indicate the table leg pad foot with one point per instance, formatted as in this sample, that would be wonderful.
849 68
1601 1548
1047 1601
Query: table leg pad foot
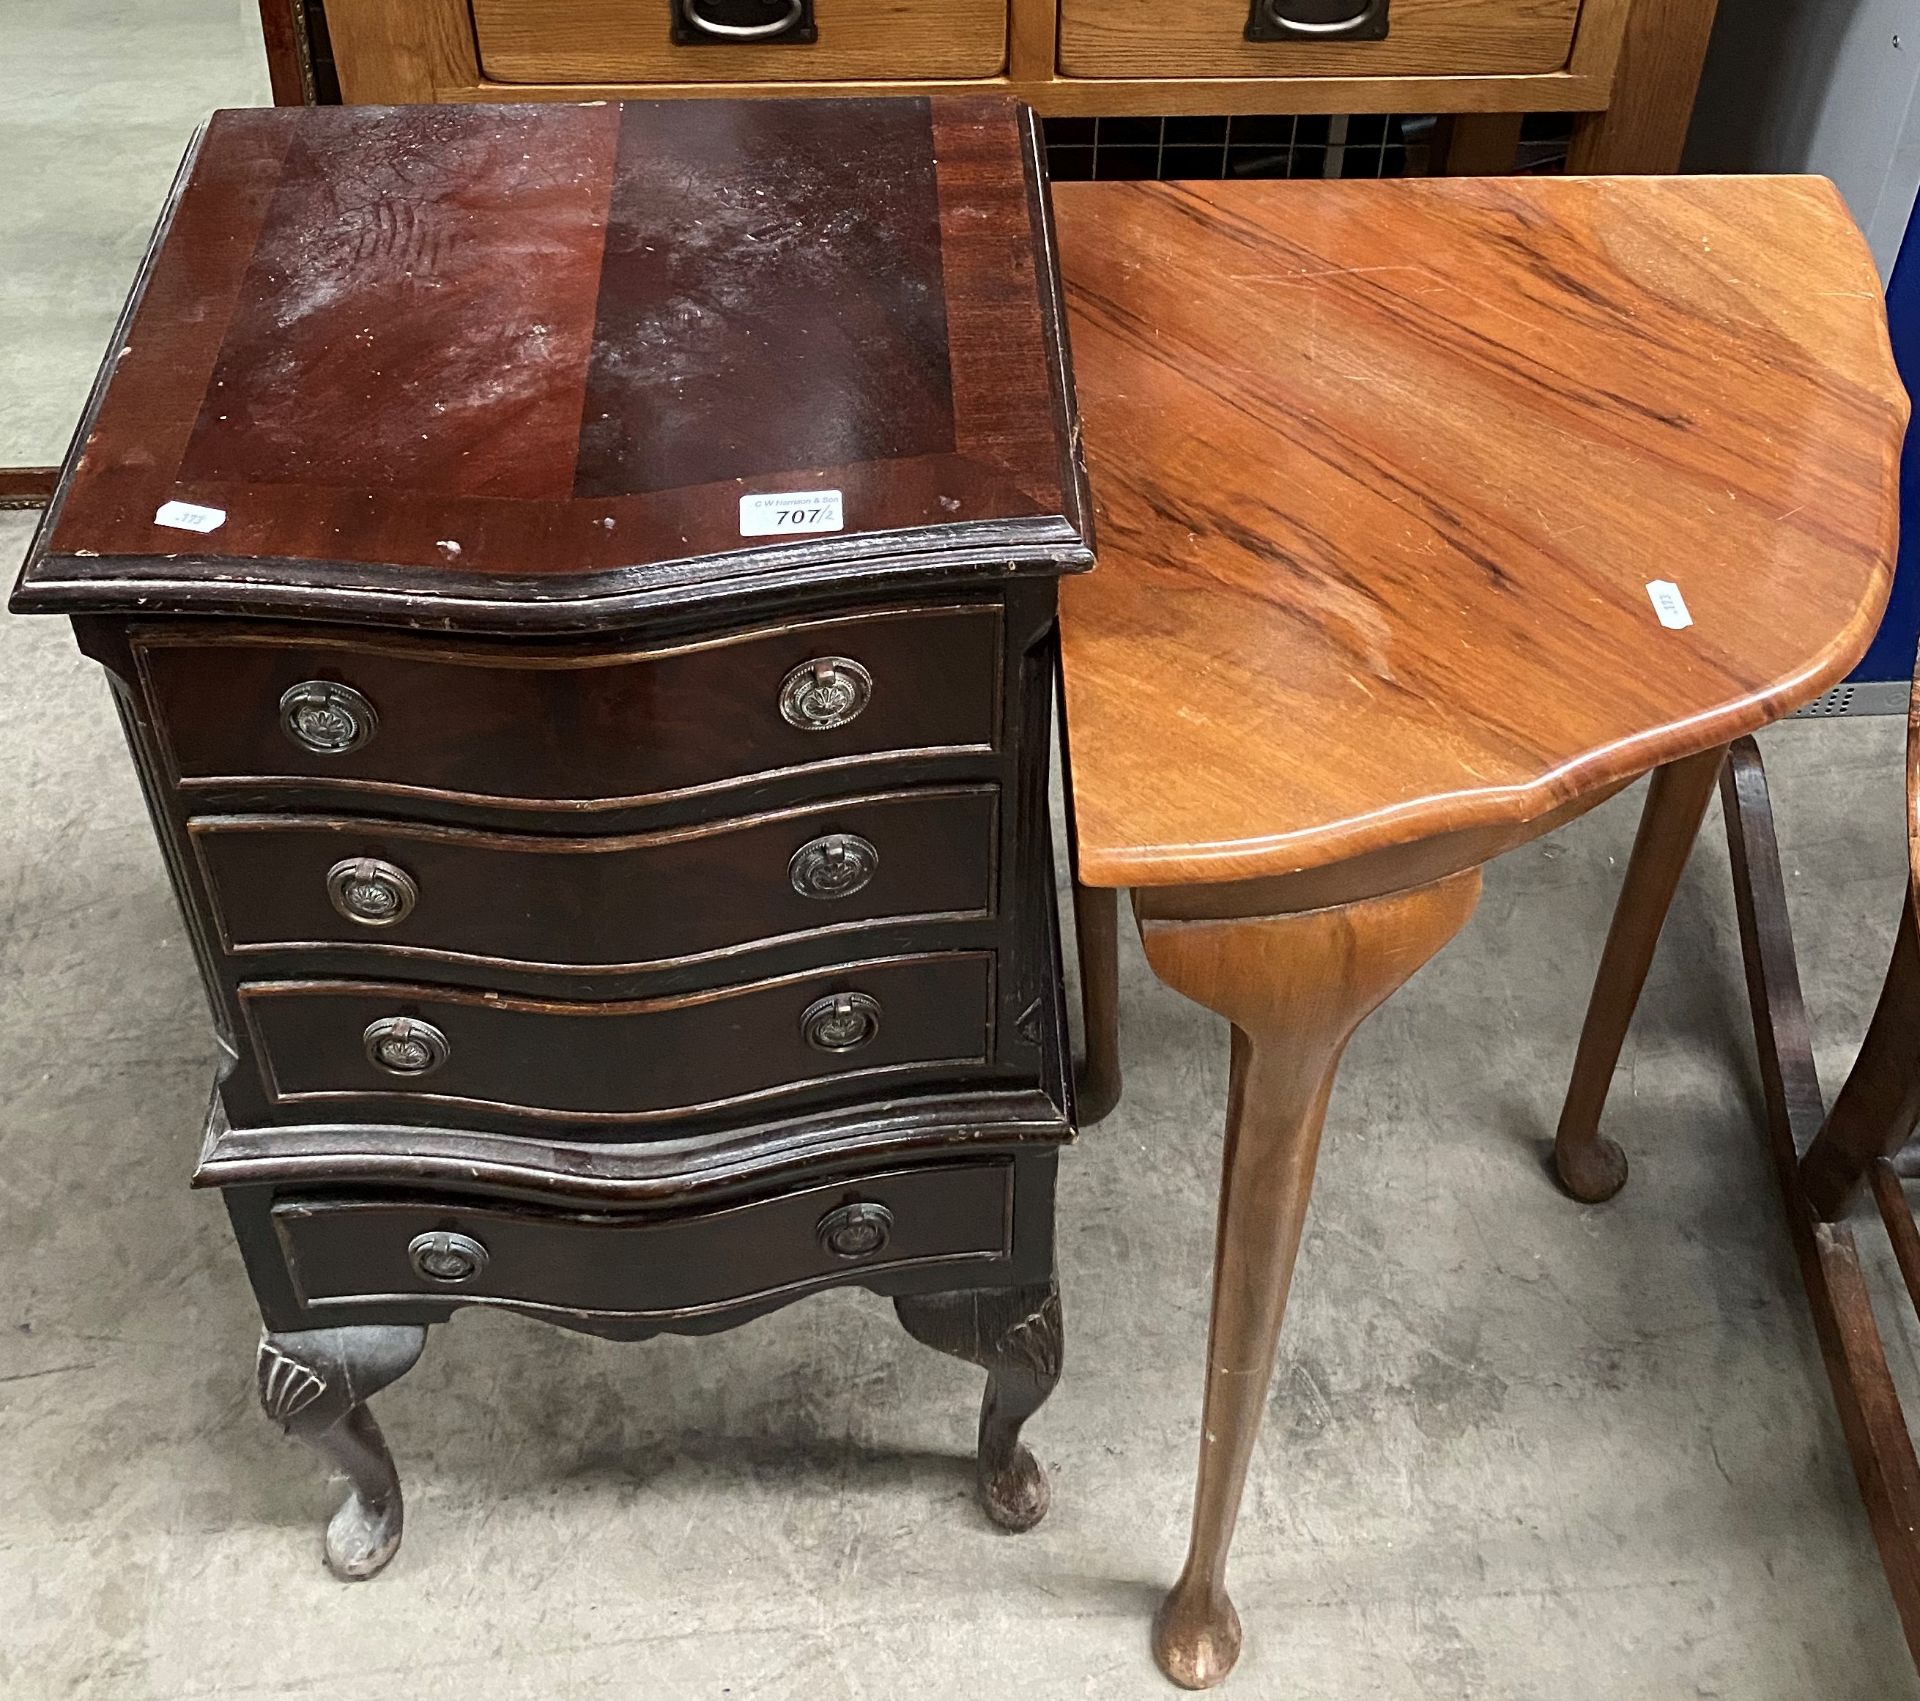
1592 1171
1196 1637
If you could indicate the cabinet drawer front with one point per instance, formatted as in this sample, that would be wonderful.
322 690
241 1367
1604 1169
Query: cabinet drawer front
676 1266
600 731
401 889
1207 38
632 1061
629 41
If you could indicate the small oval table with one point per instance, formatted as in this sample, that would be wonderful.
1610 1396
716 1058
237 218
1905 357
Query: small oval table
1431 514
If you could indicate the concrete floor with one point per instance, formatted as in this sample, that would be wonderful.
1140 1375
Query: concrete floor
1516 1449
98 100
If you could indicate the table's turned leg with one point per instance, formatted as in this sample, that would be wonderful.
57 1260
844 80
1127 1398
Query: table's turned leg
315 1384
1096 930
1015 1335
1591 1166
1295 987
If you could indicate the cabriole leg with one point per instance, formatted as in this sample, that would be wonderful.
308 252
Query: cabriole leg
1295 987
1014 1334
1592 1167
315 1384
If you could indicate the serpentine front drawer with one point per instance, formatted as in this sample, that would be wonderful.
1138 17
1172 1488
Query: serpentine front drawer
633 41
1318 38
331 1043
522 728
357 1250
401 890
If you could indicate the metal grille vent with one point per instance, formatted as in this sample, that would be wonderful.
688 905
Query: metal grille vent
1858 697
1838 701
1269 145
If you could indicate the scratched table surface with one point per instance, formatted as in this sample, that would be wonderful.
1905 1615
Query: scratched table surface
460 357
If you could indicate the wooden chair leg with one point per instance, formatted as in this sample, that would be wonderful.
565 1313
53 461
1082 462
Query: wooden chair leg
1096 927
1879 1105
1592 1167
1295 987
1863 1388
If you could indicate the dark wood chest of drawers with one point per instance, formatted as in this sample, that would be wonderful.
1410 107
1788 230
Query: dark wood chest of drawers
579 585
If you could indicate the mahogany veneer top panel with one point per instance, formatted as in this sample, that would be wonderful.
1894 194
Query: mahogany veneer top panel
447 360
1383 473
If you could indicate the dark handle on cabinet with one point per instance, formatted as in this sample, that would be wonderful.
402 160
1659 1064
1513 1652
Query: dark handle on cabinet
447 1258
326 718
824 693
856 1231
1318 20
842 1021
405 1046
836 865
710 23
371 892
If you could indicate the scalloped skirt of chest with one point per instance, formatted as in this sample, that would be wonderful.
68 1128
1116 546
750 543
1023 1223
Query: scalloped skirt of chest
469 724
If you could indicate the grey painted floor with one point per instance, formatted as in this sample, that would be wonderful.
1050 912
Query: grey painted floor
1517 1449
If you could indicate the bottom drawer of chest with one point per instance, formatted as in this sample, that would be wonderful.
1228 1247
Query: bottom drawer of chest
370 1251
633 1061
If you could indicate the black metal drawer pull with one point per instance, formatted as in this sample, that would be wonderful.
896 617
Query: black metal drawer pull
1318 20
711 23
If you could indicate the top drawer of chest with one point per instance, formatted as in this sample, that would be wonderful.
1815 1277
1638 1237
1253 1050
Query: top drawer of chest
531 728
1316 38
727 41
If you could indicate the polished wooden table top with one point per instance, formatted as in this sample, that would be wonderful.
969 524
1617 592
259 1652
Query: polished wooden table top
1383 473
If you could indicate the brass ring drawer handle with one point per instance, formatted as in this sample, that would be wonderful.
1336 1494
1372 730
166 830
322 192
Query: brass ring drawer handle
326 718
743 32
371 892
856 1231
446 1258
405 1046
842 1021
824 693
835 865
